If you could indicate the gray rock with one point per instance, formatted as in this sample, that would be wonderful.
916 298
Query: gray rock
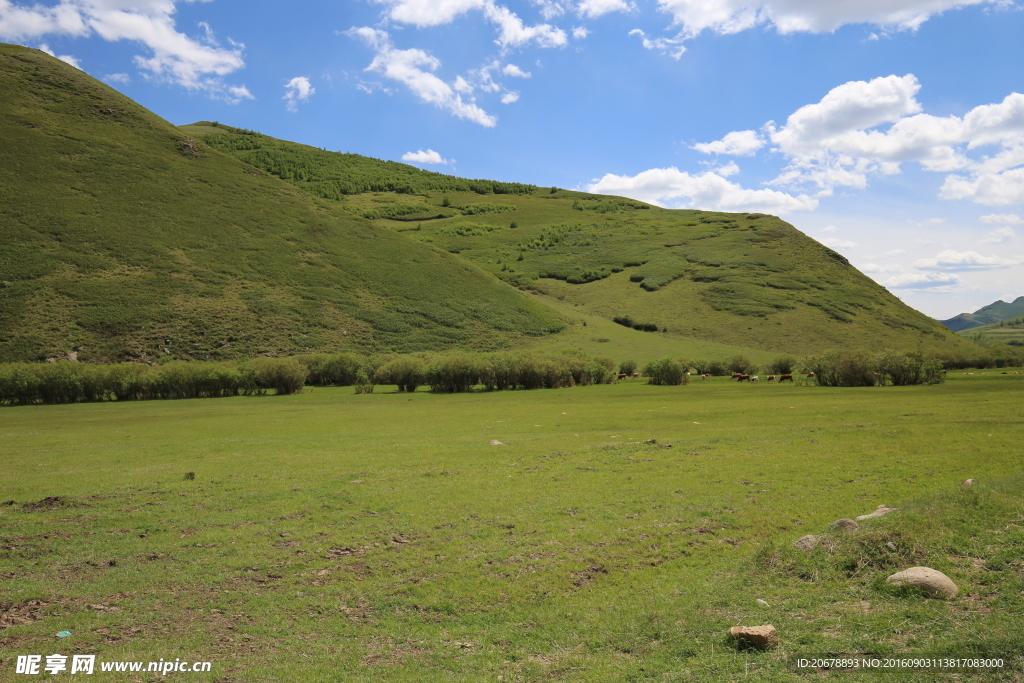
495 442
844 525
806 543
933 582
969 482
882 510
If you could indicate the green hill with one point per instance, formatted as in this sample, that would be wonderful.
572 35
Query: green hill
747 280
993 313
125 238
1008 331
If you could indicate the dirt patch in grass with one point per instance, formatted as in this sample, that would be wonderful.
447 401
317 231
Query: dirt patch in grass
20 613
382 651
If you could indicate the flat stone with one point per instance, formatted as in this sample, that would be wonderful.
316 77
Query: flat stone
807 542
881 511
969 482
761 637
844 525
933 582
495 442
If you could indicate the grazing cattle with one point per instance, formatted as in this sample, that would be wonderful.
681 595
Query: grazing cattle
622 376
784 378
771 378
742 378
636 375
810 374
737 375
755 378
704 376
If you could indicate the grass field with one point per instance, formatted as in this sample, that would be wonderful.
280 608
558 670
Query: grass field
329 536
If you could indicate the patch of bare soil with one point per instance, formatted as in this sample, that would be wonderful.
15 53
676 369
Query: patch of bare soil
20 613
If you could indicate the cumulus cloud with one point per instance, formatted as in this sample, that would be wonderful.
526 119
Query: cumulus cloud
515 71
424 157
1001 218
792 16
512 32
999 236
741 143
299 89
414 68
123 79
579 33
862 129
197 64
707 190
951 259
673 47
922 280
510 97
596 8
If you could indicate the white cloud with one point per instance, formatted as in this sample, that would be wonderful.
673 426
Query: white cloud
197 64
510 97
922 280
67 59
837 243
596 8
413 68
741 143
672 47
999 235
424 157
515 71
123 79
829 228
992 189
876 268
511 30
729 169
951 259
997 218
894 252
579 33
707 190
299 89
791 16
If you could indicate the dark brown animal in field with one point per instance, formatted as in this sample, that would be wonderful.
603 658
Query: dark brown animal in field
742 378
810 374
784 378
737 375
771 378
636 375
622 376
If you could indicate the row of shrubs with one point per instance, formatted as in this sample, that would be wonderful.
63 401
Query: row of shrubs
461 371
67 382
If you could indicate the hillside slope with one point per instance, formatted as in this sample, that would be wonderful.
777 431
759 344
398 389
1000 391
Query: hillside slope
124 238
993 313
748 280
1008 331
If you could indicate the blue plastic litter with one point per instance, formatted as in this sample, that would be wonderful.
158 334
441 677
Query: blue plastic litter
64 634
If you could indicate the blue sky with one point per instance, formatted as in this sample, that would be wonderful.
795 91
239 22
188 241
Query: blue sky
891 130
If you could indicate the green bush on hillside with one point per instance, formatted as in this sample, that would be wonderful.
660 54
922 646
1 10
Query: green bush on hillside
666 371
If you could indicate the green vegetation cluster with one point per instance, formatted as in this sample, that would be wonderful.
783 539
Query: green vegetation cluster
332 175
125 239
841 368
67 382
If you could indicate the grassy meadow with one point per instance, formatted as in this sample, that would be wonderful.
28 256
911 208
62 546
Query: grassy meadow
616 533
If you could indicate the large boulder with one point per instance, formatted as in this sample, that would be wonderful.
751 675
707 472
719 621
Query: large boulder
931 581
761 637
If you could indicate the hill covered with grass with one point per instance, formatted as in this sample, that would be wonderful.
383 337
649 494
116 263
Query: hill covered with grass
125 238
747 280
1009 331
986 315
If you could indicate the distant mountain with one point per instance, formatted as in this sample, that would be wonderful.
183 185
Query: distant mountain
993 313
